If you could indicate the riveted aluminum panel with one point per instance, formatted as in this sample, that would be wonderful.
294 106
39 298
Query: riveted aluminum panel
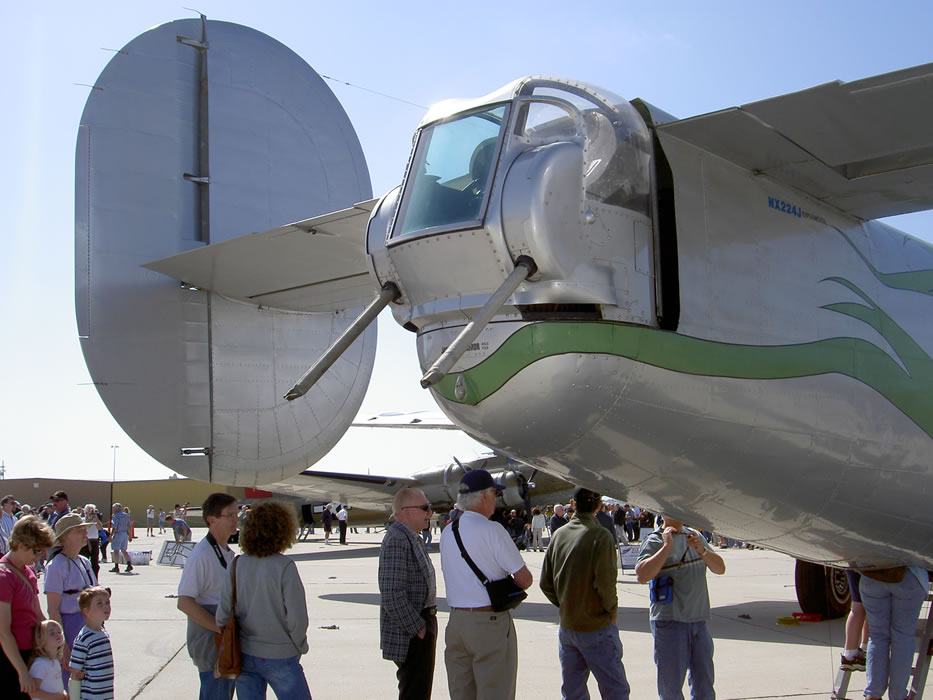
682 444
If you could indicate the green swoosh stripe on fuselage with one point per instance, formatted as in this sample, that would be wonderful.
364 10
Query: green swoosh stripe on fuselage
910 281
852 357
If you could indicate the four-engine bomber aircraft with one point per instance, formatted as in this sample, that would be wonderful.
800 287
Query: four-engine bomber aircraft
698 315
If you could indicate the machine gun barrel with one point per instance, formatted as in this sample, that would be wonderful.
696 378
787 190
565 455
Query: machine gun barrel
387 294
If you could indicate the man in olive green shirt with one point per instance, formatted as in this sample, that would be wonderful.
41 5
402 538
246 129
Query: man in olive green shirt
579 577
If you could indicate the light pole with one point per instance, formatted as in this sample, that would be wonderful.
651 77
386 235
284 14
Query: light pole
114 448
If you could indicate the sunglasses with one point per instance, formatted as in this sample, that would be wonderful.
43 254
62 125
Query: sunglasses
426 507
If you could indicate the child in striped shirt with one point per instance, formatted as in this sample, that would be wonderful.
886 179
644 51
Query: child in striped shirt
92 656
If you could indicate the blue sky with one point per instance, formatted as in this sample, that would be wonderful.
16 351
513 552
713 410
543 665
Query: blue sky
687 58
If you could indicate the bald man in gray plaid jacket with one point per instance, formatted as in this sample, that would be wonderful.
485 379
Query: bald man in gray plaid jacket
407 609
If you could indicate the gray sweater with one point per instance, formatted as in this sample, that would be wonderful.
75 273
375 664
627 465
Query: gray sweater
270 606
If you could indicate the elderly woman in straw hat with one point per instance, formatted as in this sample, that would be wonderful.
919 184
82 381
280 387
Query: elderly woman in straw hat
19 604
67 574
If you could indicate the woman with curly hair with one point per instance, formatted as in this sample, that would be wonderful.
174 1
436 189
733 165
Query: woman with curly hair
270 606
20 611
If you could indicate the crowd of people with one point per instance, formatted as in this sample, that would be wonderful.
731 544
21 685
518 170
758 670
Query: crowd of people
114 532
45 650
41 655
485 576
579 577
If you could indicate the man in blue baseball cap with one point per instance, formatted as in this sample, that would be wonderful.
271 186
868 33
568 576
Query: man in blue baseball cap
482 652
478 480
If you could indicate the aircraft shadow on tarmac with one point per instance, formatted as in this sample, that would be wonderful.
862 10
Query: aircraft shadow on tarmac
346 552
762 625
544 612
726 623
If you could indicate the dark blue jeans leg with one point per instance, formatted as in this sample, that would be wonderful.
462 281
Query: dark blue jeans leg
573 669
287 679
599 653
702 673
215 688
671 656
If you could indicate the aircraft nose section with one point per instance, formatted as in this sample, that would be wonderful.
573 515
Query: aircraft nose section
560 175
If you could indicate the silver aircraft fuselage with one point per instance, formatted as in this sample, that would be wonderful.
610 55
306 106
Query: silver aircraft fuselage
697 315
697 337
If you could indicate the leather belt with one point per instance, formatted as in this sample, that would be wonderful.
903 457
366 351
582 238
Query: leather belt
485 608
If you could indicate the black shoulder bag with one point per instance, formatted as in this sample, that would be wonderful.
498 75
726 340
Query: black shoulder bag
504 594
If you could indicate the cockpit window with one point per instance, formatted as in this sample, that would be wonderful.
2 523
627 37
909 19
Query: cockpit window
450 172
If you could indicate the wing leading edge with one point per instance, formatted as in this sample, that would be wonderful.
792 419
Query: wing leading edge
864 147
318 264
360 490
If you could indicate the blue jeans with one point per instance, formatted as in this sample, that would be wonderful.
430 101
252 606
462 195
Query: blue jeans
215 688
599 652
679 646
892 609
284 676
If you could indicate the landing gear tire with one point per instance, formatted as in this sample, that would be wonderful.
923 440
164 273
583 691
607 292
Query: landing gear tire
822 589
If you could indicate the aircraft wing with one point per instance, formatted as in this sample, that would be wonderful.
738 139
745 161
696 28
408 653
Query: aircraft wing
318 264
359 490
421 420
865 147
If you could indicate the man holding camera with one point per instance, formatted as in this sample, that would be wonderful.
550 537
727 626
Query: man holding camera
579 577
674 560
482 653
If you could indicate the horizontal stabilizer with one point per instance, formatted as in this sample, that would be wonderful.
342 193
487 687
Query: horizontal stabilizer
864 147
318 264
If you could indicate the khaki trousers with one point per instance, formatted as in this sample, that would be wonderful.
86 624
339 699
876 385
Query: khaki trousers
481 655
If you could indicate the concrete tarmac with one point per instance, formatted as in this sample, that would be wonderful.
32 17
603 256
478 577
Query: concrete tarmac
755 657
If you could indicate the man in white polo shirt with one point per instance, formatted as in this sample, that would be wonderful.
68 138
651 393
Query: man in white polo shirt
199 591
342 516
482 652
